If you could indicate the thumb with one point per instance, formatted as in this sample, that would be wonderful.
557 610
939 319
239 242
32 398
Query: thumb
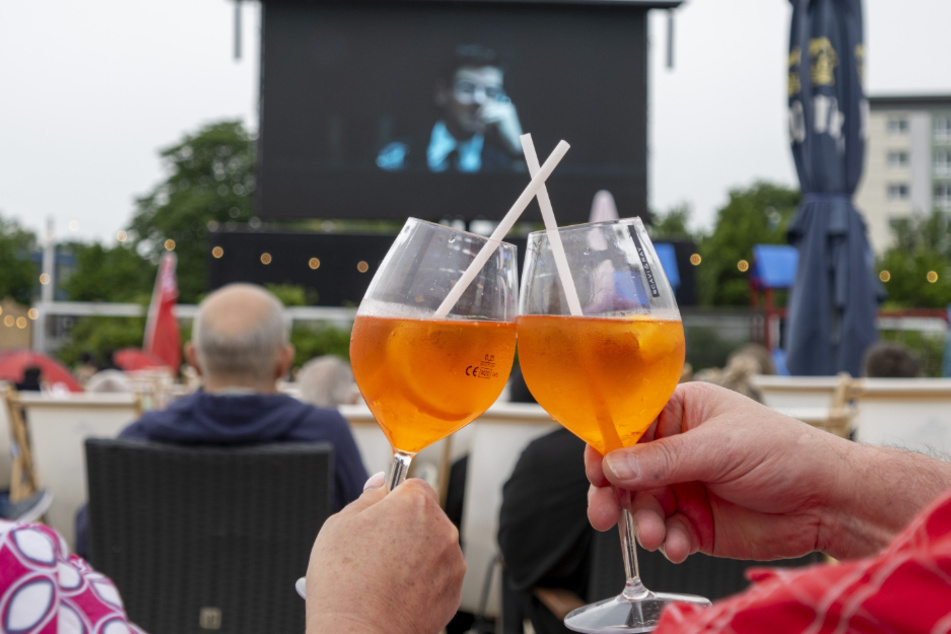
373 492
661 462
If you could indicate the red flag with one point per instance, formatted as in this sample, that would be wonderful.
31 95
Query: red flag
162 337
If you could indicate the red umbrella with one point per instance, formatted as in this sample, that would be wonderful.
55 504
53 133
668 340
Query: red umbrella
131 359
14 362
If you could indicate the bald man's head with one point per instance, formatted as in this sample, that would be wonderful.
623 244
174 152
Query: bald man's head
239 338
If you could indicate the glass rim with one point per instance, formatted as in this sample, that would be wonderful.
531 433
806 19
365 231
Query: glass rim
464 232
585 225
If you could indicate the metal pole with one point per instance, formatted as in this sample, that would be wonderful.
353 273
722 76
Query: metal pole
670 38
46 290
237 30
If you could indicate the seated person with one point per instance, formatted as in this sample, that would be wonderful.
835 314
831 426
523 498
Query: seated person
240 348
544 534
478 129
887 359
327 381
32 380
109 381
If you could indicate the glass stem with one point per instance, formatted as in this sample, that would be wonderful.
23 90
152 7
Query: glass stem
633 588
398 469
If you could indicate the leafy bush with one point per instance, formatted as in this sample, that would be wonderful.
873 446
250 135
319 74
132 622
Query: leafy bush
706 348
315 340
100 336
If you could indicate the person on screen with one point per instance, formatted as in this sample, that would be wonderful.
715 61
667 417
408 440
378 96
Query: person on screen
478 128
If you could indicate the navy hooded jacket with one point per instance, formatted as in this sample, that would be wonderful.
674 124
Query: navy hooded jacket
241 419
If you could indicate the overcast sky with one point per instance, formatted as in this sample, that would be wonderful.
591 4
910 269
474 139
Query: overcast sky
90 91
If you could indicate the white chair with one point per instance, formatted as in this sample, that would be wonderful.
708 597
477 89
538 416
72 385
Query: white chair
58 426
825 402
6 454
497 440
913 414
790 392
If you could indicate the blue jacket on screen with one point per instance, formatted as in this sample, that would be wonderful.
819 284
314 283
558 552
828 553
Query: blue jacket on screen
242 419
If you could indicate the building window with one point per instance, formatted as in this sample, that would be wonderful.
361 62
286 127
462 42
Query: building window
942 128
942 162
898 159
897 125
898 191
942 197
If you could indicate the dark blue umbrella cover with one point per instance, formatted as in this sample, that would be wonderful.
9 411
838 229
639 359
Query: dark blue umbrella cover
831 316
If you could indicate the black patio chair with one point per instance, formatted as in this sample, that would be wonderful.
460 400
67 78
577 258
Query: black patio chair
201 539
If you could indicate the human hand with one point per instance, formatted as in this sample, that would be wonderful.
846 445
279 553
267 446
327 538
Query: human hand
501 116
724 475
388 562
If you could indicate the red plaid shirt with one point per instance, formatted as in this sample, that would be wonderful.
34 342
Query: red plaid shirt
905 588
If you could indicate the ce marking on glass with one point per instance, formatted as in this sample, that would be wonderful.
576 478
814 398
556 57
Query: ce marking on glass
484 370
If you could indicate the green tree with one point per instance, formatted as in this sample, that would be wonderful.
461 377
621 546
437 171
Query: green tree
109 274
18 272
101 336
210 182
106 274
314 340
311 340
759 214
673 224
919 262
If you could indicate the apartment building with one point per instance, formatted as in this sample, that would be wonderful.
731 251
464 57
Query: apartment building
907 162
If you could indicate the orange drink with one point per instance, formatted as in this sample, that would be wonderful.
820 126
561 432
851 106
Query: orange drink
606 379
424 379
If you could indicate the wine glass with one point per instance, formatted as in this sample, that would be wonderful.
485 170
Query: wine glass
602 352
424 367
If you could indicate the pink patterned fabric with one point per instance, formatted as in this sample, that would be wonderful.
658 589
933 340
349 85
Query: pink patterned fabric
46 590
905 588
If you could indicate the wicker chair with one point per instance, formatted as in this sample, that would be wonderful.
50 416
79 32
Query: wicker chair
202 539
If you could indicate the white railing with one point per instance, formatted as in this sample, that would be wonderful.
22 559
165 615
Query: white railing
330 314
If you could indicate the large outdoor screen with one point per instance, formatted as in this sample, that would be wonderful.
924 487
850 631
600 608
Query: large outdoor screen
352 94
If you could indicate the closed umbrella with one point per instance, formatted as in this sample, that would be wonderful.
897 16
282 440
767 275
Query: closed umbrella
833 302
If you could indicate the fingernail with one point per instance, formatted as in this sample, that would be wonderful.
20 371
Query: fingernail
375 481
623 465
663 550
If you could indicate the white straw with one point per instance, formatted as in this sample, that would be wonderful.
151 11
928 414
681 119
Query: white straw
530 191
551 229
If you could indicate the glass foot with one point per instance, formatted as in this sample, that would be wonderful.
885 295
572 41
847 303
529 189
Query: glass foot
625 616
